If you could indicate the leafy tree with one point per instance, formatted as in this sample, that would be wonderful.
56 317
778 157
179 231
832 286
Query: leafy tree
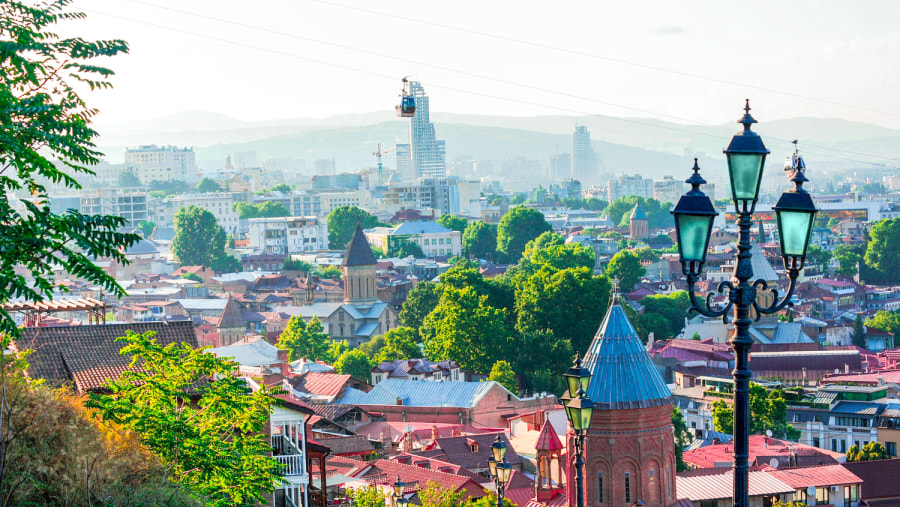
48 136
503 374
284 188
453 222
373 346
696 336
367 496
342 222
146 227
626 266
886 321
290 264
336 350
419 303
664 314
199 240
858 337
517 199
570 304
208 434
192 277
883 251
489 500
789 503
128 179
435 495
849 257
499 295
355 363
480 240
330 272
768 411
519 226
873 451
619 211
612 235
818 256
271 209
245 210
647 254
540 356
874 187
302 339
402 248
465 328
723 417
682 439
208 185
399 343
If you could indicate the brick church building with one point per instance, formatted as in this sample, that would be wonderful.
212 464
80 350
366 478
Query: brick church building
630 446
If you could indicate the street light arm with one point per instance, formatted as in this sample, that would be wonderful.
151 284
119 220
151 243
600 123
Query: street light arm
777 306
708 309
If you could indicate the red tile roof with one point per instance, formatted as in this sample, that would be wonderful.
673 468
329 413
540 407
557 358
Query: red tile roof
890 376
415 478
547 440
828 475
762 450
320 383
457 450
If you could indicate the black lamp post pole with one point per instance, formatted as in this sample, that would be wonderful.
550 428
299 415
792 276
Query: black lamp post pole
579 468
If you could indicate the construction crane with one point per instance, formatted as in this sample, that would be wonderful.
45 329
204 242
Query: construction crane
378 155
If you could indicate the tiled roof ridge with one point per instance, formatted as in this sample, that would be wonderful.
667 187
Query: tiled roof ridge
462 479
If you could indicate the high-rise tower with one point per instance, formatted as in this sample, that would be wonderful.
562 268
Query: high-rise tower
584 161
427 154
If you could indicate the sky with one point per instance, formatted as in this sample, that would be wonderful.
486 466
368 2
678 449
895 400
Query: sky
692 62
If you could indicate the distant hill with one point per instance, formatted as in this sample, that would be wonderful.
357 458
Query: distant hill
648 146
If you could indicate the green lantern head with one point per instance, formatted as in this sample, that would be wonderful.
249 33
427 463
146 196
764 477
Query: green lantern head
795 213
694 214
746 156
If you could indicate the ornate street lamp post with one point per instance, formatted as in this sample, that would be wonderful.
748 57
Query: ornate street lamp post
579 409
694 215
499 468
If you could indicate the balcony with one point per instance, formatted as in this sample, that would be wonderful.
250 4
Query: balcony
294 464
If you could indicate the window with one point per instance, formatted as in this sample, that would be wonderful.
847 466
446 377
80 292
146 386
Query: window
669 481
816 442
822 496
843 446
834 445
600 487
652 482
891 448
627 487
796 418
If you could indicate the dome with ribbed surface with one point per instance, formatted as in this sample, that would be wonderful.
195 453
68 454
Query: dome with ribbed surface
622 374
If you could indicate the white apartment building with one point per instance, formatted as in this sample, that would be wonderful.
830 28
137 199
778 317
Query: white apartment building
435 240
161 163
629 185
668 189
162 211
331 200
287 235
132 206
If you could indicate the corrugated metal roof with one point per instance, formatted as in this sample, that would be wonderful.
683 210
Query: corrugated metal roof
256 353
421 394
761 267
717 486
623 375
828 475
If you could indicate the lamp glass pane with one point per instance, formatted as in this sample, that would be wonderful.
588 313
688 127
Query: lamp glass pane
574 384
586 417
492 466
794 228
505 471
693 231
745 169
584 382
571 413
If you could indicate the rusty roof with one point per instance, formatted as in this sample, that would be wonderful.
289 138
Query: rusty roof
57 305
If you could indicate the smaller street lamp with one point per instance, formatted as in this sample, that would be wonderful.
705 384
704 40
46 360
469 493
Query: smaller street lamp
694 214
746 155
499 468
795 213
578 377
399 489
579 410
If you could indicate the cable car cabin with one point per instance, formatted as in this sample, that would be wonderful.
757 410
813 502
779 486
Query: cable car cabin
407 107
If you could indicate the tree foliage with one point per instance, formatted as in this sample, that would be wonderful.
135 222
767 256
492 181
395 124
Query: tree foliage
626 266
453 222
872 451
419 303
367 496
342 222
199 240
355 363
208 434
48 137
146 227
502 373
304 340
658 215
480 240
883 251
127 179
465 328
664 314
402 248
517 227
399 343
818 256
887 321
768 411
858 337
682 438
290 264
848 257
208 185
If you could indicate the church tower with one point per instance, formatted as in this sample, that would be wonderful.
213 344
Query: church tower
639 223
629 450
550 463
359 271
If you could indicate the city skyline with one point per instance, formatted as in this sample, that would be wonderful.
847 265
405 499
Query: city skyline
531 64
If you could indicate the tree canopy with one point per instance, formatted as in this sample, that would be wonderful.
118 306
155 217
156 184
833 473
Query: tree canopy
453 222
208 185
658 215
883 251
872 451
768 411
848 257
502 373
626 266
342 222
887 321
303 340
127 179
480 240
199 240
355 363
517 227
419 303
399 343
208 434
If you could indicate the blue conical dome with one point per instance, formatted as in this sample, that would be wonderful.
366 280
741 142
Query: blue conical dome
622 374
